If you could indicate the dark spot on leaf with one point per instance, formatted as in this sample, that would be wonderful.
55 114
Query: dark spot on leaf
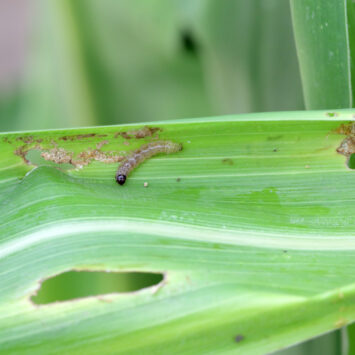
228 161
274 138
275 150
178 180
239 338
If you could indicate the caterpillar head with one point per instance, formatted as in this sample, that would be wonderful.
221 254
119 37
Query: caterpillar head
121 179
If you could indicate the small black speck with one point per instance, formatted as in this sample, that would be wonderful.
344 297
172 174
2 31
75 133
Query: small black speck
239 338
178 180
285 251
275 150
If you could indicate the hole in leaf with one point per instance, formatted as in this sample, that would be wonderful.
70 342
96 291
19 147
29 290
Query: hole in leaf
79 284
351 161
188 42
332 114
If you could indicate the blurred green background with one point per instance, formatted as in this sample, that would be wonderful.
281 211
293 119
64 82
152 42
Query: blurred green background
70 63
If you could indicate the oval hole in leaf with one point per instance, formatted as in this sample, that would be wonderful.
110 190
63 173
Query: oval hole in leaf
351 162
72 285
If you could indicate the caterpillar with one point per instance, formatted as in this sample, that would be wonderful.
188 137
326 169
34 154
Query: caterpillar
139 155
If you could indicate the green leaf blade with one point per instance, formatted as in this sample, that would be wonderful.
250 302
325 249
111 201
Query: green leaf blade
255 239
324 52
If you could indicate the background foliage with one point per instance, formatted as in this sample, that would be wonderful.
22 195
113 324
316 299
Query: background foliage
105 62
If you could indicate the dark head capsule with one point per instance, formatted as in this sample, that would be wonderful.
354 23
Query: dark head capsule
121 179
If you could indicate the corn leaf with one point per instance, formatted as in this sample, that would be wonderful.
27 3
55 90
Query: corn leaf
251 224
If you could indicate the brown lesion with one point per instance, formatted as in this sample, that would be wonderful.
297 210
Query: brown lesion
346 128
52 150
85 157
21 152
25 139
60 155
144 132
99 145
228 161
75 137
347 146
122 134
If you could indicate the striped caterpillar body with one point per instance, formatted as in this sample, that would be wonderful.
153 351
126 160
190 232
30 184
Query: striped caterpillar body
145 152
